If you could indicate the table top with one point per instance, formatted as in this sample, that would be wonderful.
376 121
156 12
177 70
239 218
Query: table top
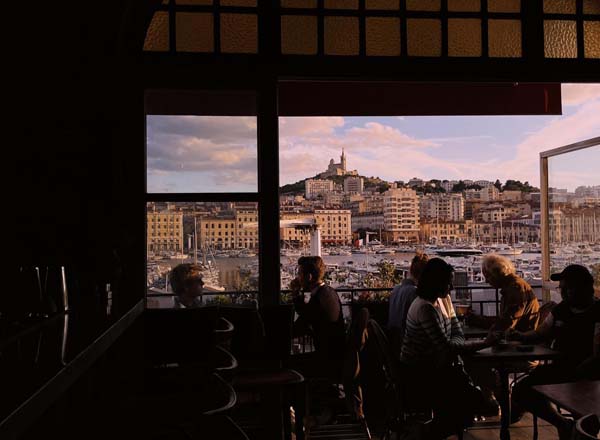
511 353
474 332
39 363
579 398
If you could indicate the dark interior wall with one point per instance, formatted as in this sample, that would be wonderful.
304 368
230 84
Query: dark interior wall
79 153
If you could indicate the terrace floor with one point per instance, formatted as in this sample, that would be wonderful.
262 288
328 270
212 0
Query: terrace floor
488 430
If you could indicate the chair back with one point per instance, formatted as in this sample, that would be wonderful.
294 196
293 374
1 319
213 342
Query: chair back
586 427
378 377
179 335
248 336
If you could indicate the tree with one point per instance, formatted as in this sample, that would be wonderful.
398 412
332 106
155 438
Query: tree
498 184
517 185
383 187
459 187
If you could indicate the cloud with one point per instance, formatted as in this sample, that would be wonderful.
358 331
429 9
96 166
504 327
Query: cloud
577 94
206 150
581 125
366 146
314 126
459 138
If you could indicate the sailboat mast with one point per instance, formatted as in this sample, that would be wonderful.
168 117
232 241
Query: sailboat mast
195 239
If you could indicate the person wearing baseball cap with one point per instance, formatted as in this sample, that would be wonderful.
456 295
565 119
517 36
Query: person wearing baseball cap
573 328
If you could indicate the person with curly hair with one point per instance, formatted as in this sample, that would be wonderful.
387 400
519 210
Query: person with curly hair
187 284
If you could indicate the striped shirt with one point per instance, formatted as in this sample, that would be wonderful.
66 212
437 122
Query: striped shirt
432 335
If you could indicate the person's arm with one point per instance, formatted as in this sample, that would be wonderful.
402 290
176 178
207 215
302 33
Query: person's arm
512 309
544 332
434 328
480 321
456 331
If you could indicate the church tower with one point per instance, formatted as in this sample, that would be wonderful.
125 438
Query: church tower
343 161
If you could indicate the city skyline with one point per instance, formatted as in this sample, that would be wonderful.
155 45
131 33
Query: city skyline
218 154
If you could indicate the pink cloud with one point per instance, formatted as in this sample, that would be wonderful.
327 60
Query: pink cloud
577 94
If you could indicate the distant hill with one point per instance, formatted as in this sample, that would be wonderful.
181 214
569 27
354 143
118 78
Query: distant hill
297 188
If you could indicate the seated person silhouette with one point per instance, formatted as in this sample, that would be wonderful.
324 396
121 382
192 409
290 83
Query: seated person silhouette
401 298
433 341
572 327
186 282
319 315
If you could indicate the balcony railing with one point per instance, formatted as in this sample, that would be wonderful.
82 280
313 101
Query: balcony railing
362 295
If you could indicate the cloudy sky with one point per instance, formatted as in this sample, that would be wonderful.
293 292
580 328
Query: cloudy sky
213 154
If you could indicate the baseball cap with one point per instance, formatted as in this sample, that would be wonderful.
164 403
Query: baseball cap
574 273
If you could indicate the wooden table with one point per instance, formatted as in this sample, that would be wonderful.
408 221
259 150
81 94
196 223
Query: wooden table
504 361
579 398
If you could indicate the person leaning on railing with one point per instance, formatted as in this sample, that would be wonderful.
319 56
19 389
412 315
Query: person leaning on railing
573 327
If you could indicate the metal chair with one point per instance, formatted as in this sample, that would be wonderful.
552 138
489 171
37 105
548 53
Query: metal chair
587 427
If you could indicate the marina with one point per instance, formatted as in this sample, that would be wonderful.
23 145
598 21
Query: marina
348 269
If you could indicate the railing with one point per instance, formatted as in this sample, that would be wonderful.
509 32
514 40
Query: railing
351 296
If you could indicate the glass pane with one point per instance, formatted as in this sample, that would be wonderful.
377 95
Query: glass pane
504 5
341 36
591 7
559 6
591 39
574 209
560 39
424 37
298 3
157 36
382 4
423 5
298 34
504 38
464 37
194 32
187 154
239 33
383 36
464 5
247 3
220 240
341 4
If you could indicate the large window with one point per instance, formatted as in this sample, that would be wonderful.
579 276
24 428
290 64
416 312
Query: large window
572 217
378 189
202 201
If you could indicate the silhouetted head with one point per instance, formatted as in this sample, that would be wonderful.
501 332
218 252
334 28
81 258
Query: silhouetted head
576 285
436 280
186 280
417 265
496 268
311 271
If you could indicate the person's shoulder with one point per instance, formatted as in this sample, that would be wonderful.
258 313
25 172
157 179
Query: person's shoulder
560 308
517 287
422 307
326 289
